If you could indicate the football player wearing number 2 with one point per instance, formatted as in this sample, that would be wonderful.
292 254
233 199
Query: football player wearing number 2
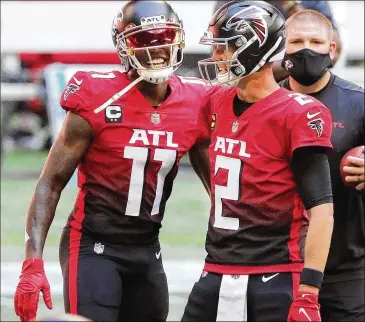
126 132
271 212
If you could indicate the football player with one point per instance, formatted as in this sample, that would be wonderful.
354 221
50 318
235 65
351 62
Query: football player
271 217
309 52
126 132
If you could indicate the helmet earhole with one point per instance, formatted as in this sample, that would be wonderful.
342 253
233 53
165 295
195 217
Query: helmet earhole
238 70
240 42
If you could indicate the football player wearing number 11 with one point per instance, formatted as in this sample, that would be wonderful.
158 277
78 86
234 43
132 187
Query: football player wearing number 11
272 215
126 132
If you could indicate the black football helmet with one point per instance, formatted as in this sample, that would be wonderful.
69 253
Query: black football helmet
256 32
146 25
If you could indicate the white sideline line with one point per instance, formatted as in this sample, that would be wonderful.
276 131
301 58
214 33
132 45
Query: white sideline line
181 275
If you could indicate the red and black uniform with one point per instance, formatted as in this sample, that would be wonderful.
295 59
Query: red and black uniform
258 221
110 254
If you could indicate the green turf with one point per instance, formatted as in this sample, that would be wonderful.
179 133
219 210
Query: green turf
184 224
25 160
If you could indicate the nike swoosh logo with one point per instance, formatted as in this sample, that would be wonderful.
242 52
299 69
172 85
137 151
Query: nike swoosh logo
265 279
310 116
301 310
78 82
158 254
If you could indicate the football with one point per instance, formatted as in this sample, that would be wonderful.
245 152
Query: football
355 152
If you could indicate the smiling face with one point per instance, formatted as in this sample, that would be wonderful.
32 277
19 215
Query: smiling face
154 58
158 42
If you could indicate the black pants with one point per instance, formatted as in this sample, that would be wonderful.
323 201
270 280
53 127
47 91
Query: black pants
105 282
217 297
342 301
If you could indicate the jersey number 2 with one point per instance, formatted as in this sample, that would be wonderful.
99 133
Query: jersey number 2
231 191
139 156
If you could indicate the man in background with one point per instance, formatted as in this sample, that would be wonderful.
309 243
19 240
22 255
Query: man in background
309 51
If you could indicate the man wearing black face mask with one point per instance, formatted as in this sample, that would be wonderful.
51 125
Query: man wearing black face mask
309 51
307 66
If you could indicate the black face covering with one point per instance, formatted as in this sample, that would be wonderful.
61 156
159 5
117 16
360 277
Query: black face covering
306 66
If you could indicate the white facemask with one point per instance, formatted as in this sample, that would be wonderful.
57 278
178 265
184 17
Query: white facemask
228 79
156 76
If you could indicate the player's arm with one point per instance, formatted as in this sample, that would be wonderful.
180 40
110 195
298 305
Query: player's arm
310 125
312 175
199 159
70 146
199 153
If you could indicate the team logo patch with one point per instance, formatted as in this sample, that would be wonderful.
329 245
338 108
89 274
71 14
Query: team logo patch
155 118
288 64
113 114
98 248
251 18
70 89
316 125
213 122
235 125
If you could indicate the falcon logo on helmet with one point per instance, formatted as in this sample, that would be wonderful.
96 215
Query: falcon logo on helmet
250 18
250 34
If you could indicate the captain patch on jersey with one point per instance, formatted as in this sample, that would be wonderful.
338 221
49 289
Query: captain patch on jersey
113 114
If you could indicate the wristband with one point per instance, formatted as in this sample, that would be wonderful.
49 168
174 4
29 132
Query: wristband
311 277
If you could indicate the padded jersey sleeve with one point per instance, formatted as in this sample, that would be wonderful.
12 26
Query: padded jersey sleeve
76 98
312 126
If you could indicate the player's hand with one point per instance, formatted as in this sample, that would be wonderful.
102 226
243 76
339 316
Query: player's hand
32 280
356 172
305 307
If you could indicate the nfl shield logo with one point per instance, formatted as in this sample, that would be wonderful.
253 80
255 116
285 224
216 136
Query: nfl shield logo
99 248
155 118
234 126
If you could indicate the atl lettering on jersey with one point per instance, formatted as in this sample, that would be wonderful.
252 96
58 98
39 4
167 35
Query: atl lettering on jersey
258 222
126 177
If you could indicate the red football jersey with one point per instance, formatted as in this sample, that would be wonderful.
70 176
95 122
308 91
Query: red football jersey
127 174
258 222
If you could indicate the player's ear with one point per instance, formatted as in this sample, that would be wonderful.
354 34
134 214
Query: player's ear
332 51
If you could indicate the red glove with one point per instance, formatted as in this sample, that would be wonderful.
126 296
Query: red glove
305 307
32 280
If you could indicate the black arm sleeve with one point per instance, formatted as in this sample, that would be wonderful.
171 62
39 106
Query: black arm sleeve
312 175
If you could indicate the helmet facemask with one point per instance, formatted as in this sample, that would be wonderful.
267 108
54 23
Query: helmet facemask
145 39
236 68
